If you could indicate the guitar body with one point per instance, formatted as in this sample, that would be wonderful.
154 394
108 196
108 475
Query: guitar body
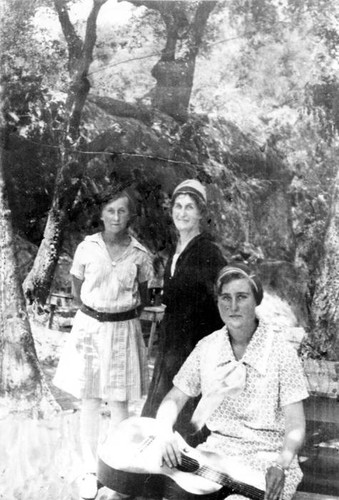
135 448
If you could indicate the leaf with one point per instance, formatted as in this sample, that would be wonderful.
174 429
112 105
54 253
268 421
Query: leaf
14 116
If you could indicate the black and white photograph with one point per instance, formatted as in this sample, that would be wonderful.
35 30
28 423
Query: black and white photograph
169 250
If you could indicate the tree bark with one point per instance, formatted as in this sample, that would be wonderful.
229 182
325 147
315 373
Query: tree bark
74 42
324 336
80 56
38 281
174 72
122 108
22 387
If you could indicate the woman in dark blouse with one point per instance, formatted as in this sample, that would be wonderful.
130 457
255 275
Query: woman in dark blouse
191 310
191 313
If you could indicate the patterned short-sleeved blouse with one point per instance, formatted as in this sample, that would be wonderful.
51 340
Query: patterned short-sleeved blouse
107 285
250 427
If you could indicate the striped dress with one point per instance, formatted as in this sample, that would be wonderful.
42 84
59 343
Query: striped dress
106 360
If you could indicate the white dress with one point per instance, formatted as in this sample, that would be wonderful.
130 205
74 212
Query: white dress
106 360
248 430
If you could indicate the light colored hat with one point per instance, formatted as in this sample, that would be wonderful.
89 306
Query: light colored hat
191 186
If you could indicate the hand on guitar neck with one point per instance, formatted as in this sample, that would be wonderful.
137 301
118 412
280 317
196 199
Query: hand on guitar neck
137 447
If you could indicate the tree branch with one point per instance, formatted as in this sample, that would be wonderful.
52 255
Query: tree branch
81 86
185 23
74 42
176 17
163 6
91 32
198 26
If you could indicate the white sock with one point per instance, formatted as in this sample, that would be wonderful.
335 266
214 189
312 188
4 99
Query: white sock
89 432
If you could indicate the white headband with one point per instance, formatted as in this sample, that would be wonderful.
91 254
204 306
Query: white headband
237 270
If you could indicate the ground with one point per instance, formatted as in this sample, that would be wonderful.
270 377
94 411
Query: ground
40 459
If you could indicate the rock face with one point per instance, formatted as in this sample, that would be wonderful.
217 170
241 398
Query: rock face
290 284
248 193
247 185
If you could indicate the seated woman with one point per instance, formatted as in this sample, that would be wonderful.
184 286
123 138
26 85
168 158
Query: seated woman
252 387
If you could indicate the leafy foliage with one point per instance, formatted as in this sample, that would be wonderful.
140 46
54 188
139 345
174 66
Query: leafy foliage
270 67
32 108
126 55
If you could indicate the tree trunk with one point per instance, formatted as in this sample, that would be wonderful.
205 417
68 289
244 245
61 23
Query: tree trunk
324 337
39 280
172 93
80 85
22 387
174 73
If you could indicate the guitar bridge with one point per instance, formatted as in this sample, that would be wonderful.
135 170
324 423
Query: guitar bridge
146 442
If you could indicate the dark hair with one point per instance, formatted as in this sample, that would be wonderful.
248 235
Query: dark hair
112 194
198 201
239 270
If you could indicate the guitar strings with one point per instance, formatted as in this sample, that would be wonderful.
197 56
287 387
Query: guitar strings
222 478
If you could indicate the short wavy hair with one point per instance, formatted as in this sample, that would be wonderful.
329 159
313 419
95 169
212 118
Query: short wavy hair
112 193
239 270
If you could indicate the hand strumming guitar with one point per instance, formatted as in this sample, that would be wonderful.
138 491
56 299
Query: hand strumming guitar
166 418
169 447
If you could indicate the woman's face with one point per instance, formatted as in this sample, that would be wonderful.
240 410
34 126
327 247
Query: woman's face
115 215
186 214
237 304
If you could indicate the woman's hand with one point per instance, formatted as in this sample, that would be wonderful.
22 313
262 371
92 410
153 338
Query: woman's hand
170 454
167 415
293 439
275 480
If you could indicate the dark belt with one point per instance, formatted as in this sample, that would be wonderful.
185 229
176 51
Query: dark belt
106 316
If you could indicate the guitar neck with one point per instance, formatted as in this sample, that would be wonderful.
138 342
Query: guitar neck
138 448
221 478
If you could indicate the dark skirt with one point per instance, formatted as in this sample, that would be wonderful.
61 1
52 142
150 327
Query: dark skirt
166 367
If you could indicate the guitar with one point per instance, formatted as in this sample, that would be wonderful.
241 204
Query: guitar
134 448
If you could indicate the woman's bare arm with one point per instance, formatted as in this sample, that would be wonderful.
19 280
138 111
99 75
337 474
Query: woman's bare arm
293 440
76 290
167 415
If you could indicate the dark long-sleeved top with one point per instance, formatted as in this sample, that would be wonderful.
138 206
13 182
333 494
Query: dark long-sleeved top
191 309
191 312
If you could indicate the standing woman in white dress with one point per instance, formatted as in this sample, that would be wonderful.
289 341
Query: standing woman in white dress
105 356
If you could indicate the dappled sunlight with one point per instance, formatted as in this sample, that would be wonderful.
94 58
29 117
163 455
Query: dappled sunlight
40 459
277 311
